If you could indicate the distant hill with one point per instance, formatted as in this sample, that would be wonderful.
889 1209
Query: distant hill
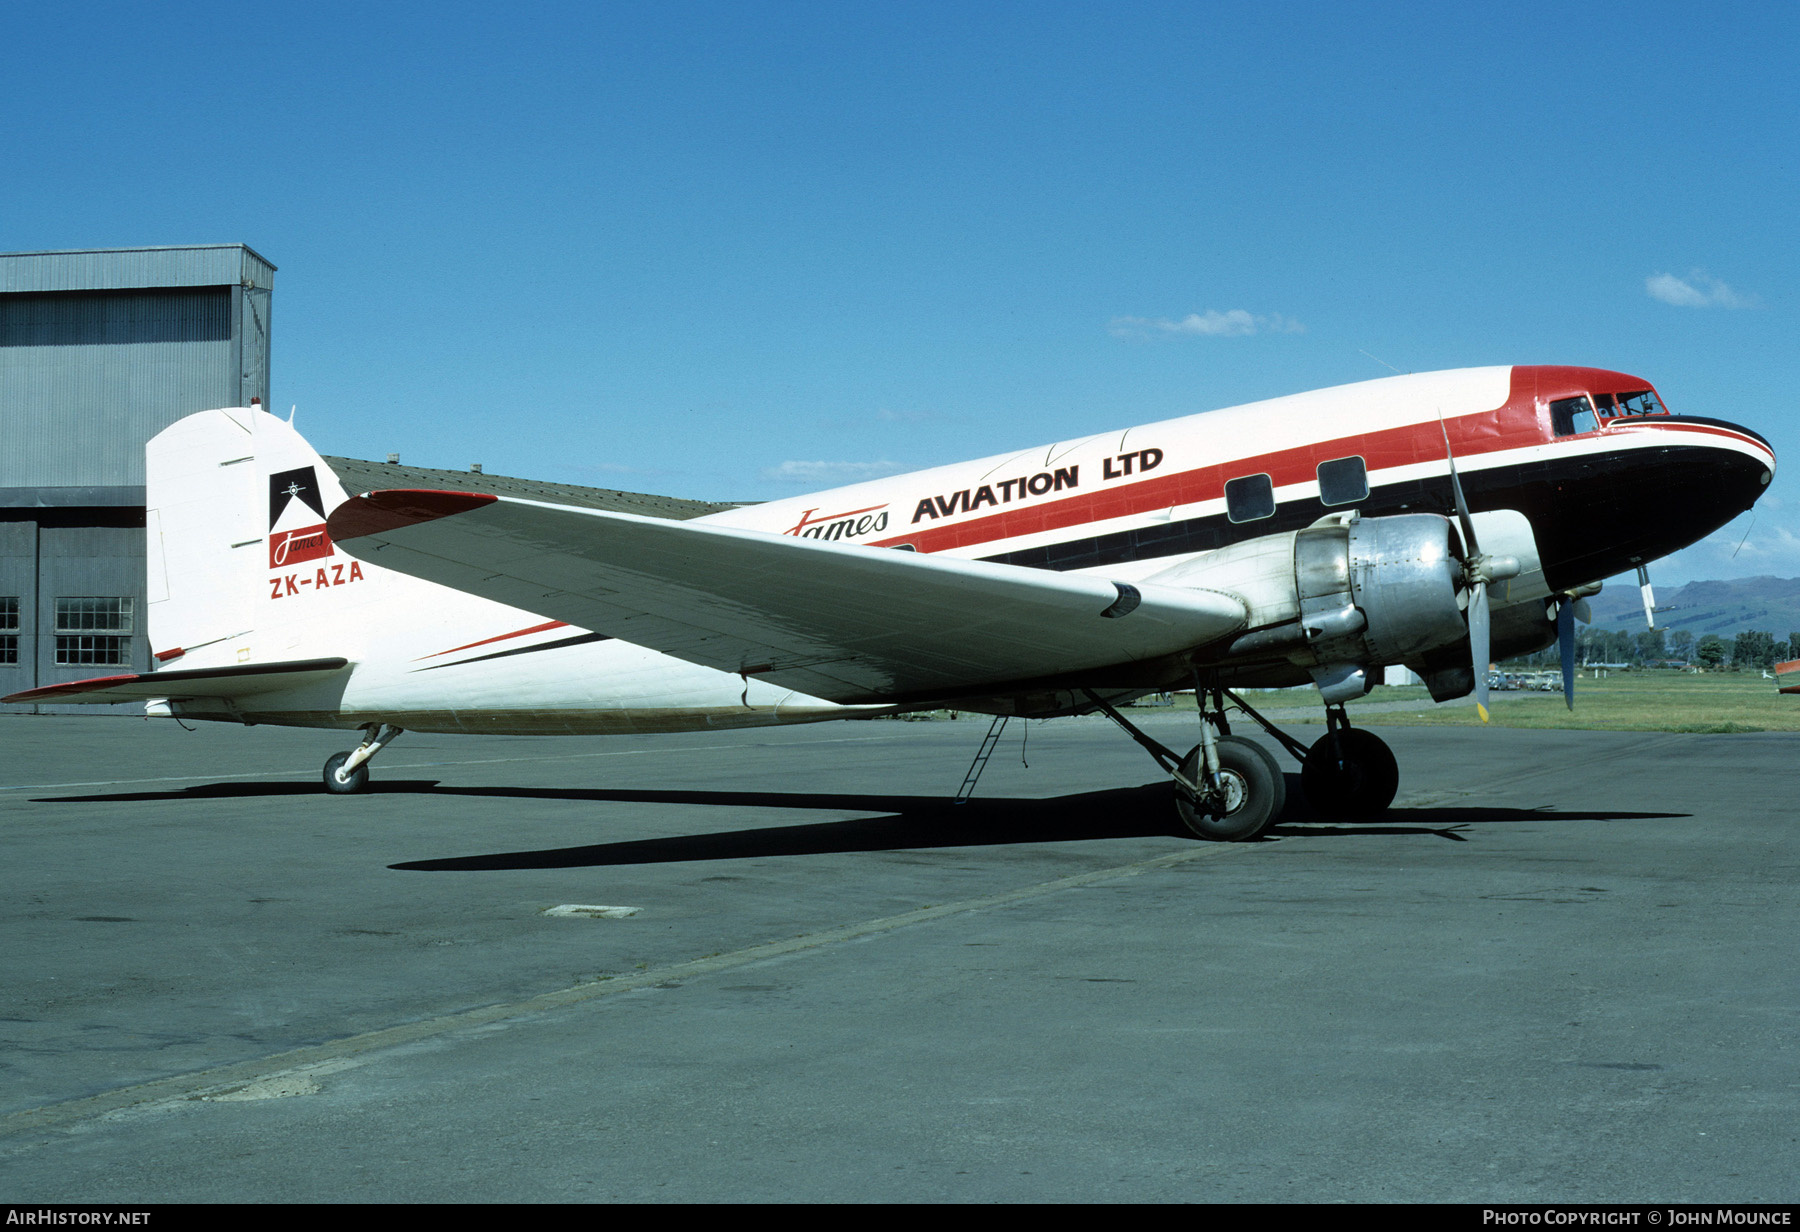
1770 604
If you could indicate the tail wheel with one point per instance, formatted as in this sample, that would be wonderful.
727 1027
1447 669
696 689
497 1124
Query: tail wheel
1250 792
1350 773
345 784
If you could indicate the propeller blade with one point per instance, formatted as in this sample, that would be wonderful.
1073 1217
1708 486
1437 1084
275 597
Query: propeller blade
1478 644
1565 642
1456 490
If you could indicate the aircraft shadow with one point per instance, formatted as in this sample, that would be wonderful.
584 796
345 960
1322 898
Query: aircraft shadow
240 791
902 822
915 822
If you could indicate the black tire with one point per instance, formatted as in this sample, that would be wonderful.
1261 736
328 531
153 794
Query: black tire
1275 774
1350 774
356 781
1254 788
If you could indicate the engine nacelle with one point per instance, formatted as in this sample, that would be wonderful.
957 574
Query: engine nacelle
1340 596
1405 576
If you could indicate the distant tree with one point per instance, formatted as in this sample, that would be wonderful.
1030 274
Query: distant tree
1650 647
1753 650
1591 645
1681 645
1711 651
1793 647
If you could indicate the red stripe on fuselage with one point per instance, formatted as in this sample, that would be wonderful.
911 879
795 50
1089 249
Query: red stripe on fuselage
548 624
1511 426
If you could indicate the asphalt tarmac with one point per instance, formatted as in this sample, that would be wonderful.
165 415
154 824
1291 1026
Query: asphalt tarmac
1561 970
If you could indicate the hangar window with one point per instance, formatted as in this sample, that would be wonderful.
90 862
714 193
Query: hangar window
9 629
93 631
1569 416
1343 481
1250 498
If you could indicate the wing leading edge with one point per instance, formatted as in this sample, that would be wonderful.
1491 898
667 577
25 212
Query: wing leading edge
849 624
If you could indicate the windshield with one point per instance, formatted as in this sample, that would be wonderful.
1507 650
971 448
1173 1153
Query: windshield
1641 402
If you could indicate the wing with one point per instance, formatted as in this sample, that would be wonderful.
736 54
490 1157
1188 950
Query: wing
185 682
849 624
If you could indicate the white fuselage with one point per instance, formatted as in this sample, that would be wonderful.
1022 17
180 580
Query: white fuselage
1126 505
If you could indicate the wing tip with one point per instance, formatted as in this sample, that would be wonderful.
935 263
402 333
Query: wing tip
372 513
69 688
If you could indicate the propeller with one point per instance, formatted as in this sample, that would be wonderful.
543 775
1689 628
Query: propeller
1565 644
1569 609
1479 569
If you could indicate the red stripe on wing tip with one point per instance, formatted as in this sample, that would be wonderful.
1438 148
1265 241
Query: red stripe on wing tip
375 512
51 692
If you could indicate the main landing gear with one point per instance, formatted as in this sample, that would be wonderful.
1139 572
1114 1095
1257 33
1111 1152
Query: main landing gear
1230 789
347 773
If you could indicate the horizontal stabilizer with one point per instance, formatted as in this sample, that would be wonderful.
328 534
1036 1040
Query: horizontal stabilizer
846 623
181 683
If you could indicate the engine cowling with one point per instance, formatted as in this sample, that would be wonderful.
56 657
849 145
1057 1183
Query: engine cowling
1341 596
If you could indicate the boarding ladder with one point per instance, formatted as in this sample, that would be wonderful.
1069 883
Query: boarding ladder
981 759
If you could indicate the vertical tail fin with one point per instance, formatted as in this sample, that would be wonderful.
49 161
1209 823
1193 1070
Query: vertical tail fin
236 546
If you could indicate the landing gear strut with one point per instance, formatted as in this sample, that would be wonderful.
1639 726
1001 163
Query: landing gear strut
347 773
1231 789
1227 788
1349 772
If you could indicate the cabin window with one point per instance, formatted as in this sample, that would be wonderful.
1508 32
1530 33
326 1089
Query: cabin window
9 629
1343 481
93 632
1250 498
1569 416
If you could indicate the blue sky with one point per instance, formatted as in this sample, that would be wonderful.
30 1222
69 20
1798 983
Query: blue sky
735 250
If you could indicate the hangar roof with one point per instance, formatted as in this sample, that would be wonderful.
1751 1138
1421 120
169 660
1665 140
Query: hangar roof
115 269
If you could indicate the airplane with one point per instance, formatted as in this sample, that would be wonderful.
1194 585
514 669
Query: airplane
1437 520
1787 676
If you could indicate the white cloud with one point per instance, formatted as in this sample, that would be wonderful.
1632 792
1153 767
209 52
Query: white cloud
1697 290
830 472
1214 324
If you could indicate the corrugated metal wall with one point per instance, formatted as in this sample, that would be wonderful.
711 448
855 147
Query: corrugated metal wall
18 580
87 377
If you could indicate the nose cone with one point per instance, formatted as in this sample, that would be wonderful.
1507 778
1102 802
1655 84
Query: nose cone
1740 461
1672 481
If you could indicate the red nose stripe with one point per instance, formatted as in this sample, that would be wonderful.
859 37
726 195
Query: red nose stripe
375 512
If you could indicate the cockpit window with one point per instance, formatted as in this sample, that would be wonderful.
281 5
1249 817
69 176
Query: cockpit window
1569 416
1643 402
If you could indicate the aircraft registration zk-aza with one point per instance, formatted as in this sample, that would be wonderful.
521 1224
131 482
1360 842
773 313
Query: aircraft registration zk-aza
1438 520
